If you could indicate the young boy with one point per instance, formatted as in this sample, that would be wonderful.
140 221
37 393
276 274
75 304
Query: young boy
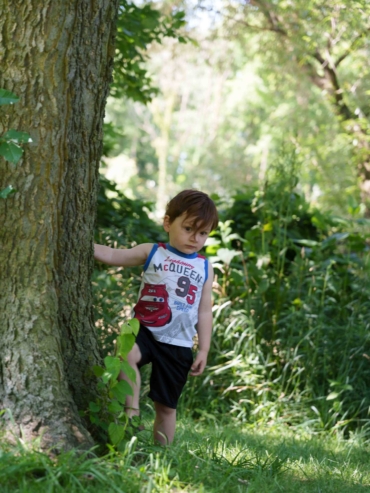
174 298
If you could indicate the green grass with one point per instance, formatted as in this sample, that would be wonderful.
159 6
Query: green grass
203 459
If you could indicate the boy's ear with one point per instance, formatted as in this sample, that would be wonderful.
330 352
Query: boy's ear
166 223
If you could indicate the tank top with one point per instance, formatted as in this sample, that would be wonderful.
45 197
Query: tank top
170 293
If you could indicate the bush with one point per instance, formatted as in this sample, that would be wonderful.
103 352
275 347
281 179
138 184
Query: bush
291 326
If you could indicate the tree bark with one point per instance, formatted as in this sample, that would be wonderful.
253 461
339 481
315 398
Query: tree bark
57 57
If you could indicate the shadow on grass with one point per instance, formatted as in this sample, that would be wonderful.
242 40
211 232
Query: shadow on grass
270 460
203 459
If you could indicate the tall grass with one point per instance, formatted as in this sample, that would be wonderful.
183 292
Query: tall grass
291 336
291 318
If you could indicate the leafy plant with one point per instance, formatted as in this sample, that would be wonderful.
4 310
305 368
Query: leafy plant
107 412
137 27
290 317
11 141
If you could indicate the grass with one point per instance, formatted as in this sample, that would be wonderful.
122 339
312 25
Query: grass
203 459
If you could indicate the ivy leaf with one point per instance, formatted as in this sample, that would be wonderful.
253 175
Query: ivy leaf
128 370
11 152
17 137
121 391
7 97
116 433
6 192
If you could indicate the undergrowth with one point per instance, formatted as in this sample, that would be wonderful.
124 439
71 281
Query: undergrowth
291 336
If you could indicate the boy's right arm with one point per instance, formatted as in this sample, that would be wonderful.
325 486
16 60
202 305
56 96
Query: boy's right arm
129 257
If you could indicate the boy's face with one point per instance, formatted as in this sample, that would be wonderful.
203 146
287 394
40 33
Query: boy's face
184 236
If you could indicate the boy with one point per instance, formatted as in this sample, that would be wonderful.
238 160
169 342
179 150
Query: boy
174 297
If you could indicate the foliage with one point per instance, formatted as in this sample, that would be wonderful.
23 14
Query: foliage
323 49
107 412
290 317
122 220
212 457
11 141
137 28
291 328
234 104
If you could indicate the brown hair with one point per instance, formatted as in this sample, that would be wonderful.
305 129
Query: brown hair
194 204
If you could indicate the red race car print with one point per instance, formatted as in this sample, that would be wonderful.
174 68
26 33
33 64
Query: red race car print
153 309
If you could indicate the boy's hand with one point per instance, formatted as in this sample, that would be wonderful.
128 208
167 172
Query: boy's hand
199 364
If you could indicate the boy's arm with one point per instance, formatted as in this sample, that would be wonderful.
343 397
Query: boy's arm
129 257
204 327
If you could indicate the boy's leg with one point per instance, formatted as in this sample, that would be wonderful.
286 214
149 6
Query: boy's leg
132 402
164 424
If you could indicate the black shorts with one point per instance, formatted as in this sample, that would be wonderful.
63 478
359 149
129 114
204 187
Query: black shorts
170 367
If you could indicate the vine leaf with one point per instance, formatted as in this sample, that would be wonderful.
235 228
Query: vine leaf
6 192
11 152
7 97
17 137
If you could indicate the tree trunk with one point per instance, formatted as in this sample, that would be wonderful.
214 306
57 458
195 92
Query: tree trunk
57 57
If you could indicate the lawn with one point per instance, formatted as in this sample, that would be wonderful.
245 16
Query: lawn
205 458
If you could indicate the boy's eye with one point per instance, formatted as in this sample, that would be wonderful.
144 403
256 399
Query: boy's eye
187 228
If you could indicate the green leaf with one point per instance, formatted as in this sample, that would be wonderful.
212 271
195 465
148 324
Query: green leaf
135 325
116 433
115 407
128 370
7 97
126 329
332 396
125 344
112 365
94 407
6 192
98 371
226 255
17 137
11 152
121 391
308 243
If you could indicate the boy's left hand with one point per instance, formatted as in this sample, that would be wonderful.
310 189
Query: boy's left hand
199 364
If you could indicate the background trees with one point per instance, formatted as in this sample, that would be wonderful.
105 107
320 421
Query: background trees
261 75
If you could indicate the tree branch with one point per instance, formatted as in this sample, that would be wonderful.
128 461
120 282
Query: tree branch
352 47
332 83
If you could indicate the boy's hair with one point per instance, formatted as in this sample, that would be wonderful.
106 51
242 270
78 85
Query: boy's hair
194 204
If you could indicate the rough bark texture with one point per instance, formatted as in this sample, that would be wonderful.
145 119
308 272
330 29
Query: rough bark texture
57 57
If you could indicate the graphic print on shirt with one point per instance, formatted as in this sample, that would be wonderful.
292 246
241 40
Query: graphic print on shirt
153 309
170 294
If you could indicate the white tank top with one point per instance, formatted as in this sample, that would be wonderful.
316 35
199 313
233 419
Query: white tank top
170 293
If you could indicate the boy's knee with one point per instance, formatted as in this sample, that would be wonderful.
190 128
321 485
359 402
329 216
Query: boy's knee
163 410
